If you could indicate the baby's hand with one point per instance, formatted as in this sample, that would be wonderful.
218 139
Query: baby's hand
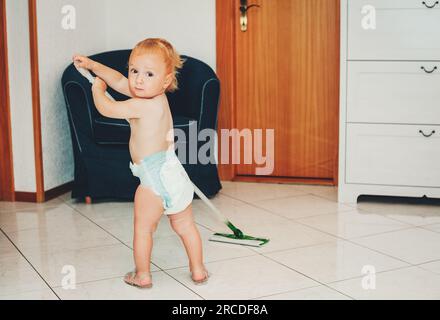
83 62
99 84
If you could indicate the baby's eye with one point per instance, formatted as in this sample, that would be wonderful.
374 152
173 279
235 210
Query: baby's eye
133 71
149 74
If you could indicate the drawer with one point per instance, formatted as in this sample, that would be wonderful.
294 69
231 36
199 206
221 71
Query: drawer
405 30
393 92
396 155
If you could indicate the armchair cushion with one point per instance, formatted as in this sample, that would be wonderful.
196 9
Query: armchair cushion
111 131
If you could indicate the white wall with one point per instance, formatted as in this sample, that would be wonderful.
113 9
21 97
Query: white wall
188 24
20 92
101 25
56 46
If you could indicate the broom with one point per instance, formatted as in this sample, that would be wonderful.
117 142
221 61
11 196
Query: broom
237 237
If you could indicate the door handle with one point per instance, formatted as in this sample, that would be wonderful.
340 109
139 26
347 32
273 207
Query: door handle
429 71
427 135
243 14
428 6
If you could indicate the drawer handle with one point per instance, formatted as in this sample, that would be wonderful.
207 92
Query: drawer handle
427 71
430 7
427 135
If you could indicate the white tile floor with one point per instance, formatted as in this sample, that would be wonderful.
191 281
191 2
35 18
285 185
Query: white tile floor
319 249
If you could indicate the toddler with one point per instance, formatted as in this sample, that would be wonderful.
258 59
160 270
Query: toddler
164 184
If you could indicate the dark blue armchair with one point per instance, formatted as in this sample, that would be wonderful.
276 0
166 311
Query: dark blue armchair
100 144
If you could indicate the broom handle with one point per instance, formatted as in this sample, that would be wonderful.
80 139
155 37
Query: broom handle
86 74
209 204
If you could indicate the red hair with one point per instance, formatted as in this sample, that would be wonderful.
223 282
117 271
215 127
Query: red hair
172 59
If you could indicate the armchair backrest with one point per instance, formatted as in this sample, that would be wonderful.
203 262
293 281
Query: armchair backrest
197 97
198 93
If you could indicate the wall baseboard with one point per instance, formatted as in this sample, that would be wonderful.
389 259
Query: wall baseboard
56 192
25 196
48 195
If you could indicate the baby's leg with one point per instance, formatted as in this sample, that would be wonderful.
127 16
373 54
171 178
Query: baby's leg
183 224
148 210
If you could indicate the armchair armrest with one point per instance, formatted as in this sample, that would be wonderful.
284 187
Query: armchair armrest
209 104
79 103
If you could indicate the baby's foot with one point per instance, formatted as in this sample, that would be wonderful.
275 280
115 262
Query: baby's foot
139 279
199 275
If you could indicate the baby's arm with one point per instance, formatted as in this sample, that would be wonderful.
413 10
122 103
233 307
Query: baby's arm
129 109
115 79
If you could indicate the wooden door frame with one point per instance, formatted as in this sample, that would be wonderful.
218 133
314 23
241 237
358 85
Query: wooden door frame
8 192
226 71
36 108
6 161
7 187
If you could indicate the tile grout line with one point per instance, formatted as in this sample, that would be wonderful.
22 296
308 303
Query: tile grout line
310 277
426 262
266 210
339 237
114 278
216 261
350 278
394 219
32 206
251 252
382 253
106 231
419 266
268 258
97 280
348 239
410 226
292 219
410 264
327 233
269 199
424 227
281 250
299 247
321 284
298 222
378 272
184 285
308 288
264 256
386 254
30 264
160 269
384 232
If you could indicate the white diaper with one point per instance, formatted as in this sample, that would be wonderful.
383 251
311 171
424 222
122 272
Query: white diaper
165 175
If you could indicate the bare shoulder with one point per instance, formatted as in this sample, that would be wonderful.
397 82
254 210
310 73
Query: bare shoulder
149 107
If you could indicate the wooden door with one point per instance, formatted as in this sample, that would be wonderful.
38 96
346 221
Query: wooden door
287 78
6 169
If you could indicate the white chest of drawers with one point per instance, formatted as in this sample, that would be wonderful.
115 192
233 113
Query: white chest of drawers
390 99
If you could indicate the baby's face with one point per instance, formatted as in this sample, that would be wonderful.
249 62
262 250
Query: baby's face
147 75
